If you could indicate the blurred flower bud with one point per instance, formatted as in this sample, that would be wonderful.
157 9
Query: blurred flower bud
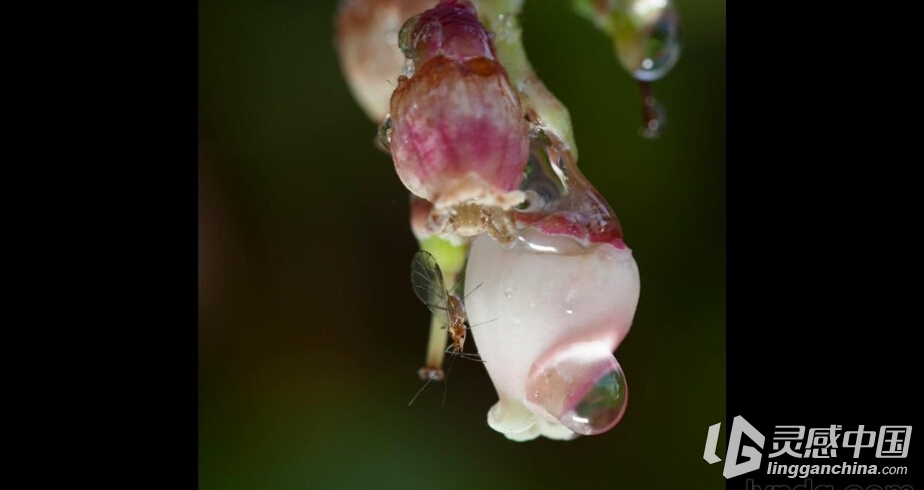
367 43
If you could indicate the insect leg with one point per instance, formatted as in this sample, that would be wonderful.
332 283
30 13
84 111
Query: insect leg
446 387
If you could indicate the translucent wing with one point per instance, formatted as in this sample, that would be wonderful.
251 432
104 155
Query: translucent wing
427 279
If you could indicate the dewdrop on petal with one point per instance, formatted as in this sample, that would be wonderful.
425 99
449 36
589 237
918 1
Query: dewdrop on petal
581 385
458 134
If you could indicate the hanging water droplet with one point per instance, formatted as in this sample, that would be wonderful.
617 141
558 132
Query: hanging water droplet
385 133
654 116
600 407
647 37
581 385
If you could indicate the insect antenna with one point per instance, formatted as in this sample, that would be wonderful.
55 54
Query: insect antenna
472 291
431 374
472 357
469 327
429 380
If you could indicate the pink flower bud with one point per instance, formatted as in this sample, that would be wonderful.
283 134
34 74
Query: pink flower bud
457 130
450 29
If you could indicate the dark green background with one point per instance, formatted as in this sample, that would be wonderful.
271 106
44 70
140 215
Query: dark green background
309 333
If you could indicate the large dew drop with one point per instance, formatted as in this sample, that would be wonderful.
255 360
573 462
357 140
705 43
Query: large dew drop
647 37
581 385
560 201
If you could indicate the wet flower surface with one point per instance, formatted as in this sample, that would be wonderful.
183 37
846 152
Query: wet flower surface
557 307
458 134
457 129
551 288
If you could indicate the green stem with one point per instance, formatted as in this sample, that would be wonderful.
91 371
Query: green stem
436 346
451 259
547 112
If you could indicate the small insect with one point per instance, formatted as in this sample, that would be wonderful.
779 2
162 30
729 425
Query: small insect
427 280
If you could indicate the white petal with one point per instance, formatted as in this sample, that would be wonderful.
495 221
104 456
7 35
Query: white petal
528 302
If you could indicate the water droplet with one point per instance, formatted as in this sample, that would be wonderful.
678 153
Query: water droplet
508 293
569 312
582 385
408 70
647 37
538 242
405 36
385 132
561 202
543 179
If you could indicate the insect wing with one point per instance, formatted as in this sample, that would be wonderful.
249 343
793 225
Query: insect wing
427 279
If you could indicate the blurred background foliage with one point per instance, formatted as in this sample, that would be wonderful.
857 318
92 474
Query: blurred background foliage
309 333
